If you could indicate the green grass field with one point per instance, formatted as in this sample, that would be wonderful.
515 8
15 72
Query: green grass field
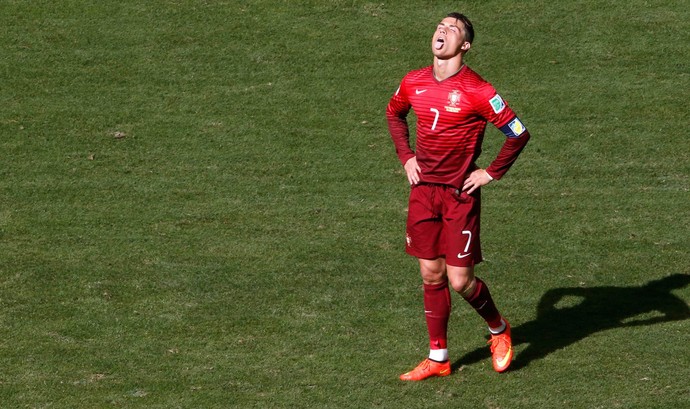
200 206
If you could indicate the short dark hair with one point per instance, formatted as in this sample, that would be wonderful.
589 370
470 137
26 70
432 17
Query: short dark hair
468 25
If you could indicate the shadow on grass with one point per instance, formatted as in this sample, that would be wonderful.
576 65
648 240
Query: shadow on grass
567 315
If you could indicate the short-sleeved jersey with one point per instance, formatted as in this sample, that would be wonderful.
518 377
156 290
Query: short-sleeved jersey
451 119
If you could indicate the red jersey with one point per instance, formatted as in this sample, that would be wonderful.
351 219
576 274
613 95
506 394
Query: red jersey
451 120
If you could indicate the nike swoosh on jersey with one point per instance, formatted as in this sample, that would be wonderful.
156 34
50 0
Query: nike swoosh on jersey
420 91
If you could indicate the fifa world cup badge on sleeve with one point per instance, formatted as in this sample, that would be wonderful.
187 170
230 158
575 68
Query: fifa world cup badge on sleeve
497 103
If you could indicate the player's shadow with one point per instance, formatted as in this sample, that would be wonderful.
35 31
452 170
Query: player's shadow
567 315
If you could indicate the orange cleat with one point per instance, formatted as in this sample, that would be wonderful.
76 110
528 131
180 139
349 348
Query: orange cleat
427 369
501 349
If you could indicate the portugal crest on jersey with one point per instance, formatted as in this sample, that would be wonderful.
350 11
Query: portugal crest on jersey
453 101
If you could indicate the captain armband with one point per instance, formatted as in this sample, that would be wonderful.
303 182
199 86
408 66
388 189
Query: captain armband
514 128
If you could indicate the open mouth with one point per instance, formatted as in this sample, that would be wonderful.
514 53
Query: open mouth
438 44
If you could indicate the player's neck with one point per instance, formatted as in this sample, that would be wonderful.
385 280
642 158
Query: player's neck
444 69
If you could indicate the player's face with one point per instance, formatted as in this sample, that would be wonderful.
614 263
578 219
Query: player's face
449 39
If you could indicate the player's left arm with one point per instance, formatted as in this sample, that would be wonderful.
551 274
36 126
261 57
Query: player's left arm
492 107
515 142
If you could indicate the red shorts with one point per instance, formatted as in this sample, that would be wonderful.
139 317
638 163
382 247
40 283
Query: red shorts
443 222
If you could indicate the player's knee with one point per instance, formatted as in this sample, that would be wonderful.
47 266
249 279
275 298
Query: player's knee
460 285
463 284
433 276
433 272
468 289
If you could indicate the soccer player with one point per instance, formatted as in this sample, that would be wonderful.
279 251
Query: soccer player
452 104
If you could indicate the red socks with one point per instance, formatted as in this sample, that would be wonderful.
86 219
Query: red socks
482 302
437 311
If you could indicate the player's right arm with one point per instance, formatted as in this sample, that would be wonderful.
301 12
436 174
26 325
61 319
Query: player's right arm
396 115
412 170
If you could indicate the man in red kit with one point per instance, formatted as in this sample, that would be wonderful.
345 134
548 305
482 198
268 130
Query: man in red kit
452 104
